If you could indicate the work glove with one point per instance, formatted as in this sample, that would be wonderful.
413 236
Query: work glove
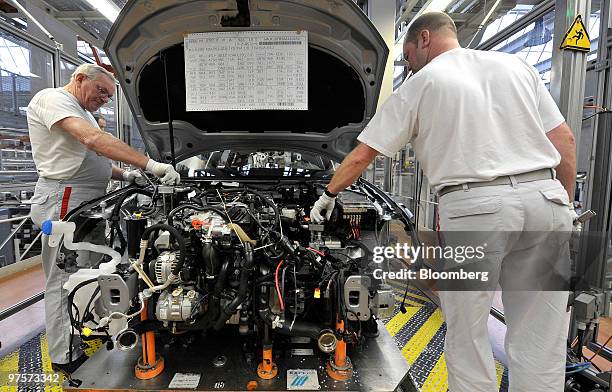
163 171
326 203
133 176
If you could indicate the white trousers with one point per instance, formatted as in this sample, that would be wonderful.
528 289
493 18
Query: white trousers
537 321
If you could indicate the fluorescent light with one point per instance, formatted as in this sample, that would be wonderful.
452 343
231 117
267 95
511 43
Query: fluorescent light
106 8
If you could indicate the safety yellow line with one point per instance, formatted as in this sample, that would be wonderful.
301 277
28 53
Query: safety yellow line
402 287
399 299
399 320
437 380
9 365
46 366
421 338
499 369
93 345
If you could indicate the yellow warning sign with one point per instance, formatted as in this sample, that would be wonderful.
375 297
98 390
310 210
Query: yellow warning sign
577 37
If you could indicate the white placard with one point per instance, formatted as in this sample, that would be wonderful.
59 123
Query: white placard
302 379
185 381
246 70
301 351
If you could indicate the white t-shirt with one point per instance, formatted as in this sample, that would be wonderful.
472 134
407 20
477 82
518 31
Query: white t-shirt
470 116
57 154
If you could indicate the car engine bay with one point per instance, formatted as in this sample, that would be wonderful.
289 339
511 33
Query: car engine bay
194 259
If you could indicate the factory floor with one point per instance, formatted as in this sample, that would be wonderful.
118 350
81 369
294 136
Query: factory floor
24 325
419 334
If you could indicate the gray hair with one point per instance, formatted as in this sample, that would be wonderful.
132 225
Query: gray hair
432 21
91 71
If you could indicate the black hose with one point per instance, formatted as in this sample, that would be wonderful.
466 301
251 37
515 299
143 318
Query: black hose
115 218
270 203
300 328
127 194
242 288
179 238
70 301
197 208
220 283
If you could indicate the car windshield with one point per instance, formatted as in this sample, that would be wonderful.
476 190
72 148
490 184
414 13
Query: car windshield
262 163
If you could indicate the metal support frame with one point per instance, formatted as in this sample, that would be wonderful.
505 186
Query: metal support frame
593 246
568 71
594 252
388 174
536 13
36 42
382 15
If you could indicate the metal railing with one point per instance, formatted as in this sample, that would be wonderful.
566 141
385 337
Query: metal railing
22 221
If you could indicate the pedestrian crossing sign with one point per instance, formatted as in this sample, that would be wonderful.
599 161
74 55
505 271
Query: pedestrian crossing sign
577 37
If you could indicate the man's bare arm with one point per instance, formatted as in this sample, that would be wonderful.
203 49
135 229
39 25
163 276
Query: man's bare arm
102 142
117 173
351 168
563 140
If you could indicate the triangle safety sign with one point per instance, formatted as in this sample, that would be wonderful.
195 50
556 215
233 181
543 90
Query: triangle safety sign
577 37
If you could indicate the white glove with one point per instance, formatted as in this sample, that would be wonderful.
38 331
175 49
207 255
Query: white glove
163 171
326 203
131 176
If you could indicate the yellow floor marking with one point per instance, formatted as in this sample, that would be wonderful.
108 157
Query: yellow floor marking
92 346
402 287
46 367
499 369
437 380
399 320
417 343
9 365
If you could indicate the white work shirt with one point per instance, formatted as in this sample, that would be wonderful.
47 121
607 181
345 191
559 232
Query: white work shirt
471 116
57 154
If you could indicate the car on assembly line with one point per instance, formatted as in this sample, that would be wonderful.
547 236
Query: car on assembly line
231 248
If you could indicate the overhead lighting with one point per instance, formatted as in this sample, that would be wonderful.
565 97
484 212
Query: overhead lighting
436 6
106 8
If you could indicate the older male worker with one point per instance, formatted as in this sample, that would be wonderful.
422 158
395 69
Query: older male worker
486 131
73 158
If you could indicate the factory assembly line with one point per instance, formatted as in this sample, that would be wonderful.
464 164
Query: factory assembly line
238 272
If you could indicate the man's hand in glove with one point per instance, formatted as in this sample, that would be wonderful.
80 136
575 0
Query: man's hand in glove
163 171
326 202
134 176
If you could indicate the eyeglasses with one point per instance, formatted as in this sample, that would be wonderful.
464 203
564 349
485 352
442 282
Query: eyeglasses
104 93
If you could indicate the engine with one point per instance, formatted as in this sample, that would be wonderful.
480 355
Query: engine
205 258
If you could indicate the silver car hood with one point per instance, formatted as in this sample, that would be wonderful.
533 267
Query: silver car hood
346 57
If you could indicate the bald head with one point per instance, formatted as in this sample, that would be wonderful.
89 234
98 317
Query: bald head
437 22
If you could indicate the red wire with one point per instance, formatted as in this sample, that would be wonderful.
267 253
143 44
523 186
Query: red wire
280 297
316 251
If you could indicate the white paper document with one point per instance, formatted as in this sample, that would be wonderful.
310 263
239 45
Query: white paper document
246 70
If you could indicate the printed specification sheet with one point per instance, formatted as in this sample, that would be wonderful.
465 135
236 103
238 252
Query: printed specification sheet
246 70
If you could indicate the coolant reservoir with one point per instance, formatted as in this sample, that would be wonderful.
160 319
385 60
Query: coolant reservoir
83 295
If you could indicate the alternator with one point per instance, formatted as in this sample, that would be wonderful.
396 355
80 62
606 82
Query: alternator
164 264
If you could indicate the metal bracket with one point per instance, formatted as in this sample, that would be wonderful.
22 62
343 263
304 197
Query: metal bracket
600 66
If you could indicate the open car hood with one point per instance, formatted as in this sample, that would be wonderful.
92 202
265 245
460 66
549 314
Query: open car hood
346 62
